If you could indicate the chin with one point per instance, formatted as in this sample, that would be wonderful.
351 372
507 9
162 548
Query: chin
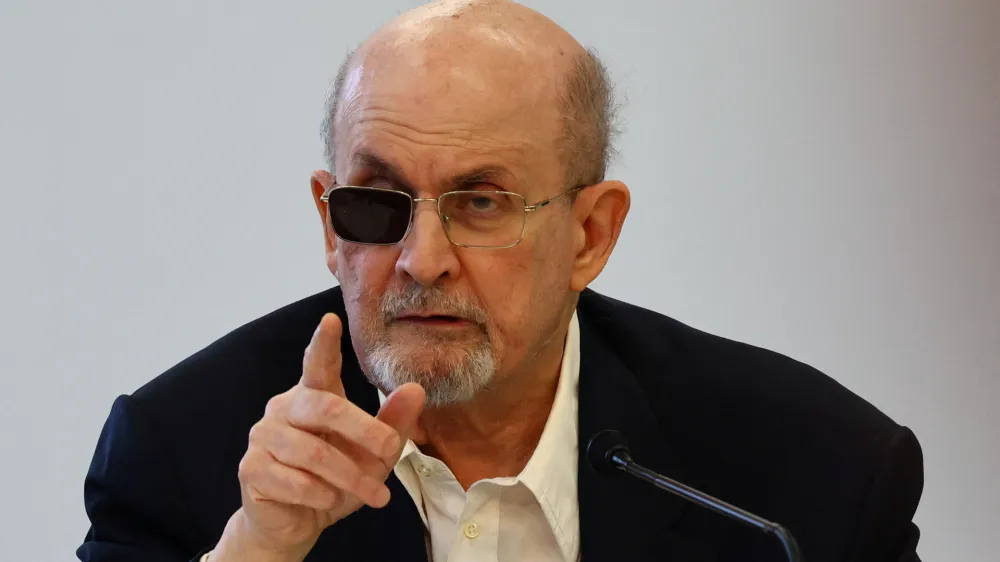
430 363
449 375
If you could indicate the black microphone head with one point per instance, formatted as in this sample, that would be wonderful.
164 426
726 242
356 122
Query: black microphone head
602 447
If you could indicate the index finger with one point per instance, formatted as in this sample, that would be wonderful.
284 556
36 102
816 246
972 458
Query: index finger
323 413
321 361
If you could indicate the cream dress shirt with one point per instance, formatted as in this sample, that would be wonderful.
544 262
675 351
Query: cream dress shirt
534 516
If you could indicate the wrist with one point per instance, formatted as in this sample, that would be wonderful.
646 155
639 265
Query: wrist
237 544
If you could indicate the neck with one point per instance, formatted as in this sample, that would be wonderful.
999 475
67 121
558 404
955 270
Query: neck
495 434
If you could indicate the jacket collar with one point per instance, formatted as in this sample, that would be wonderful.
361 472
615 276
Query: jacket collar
622 518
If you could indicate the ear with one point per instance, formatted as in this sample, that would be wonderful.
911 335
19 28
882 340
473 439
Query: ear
600 212
320 181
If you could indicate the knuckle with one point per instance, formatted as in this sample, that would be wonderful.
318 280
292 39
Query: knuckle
356 482
332 500
258 433
318 455
299 488
275 404
333 406
307 356
378 436
333 362
254 435
243 471
248 467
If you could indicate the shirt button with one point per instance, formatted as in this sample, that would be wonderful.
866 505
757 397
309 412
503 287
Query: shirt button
471 530
424 470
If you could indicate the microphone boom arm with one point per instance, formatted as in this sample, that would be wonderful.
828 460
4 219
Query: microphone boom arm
607 452
623 461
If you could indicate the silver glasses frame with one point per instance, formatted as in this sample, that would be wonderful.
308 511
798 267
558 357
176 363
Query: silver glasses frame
325 197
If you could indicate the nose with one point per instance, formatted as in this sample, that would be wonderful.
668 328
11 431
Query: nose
427 256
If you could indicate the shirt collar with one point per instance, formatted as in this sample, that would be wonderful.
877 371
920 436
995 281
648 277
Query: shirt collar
551 472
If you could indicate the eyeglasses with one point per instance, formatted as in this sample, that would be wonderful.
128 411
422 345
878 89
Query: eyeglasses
471 219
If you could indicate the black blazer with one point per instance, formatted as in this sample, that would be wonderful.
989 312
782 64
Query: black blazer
752 427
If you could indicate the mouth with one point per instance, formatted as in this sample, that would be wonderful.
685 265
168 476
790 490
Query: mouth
433 321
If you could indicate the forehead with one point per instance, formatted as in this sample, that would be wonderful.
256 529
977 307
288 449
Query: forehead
435 110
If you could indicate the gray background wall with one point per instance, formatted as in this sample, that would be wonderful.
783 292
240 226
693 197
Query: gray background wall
821 178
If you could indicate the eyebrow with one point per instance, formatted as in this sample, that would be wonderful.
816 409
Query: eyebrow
382 167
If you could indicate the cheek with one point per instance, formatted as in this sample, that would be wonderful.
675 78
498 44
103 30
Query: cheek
503 285
523 288
364 274
550 273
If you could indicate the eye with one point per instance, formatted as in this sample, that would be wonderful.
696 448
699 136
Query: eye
483 203
479 205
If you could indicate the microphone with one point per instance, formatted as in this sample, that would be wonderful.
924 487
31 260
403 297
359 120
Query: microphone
607 452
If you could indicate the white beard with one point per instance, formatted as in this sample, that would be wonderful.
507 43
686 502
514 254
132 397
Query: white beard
388 368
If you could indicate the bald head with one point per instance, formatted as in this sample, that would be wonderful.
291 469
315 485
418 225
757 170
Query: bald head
477 50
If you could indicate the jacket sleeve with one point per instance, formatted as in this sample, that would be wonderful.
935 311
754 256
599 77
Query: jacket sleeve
886 532
136 508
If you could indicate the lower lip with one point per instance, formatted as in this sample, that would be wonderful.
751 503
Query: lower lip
435 322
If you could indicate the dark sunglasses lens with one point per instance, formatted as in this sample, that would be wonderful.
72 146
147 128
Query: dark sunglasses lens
369 216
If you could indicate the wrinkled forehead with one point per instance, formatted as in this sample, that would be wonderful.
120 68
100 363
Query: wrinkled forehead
436 107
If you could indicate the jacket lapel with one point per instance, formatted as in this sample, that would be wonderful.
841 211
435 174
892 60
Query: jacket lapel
622 518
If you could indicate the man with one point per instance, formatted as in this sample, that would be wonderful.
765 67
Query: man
449 386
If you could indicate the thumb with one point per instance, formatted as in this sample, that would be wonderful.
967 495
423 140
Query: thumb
401 411
322 359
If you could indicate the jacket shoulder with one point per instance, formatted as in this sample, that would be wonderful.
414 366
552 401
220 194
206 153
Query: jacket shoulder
261 356
764 431
199 412
665 353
